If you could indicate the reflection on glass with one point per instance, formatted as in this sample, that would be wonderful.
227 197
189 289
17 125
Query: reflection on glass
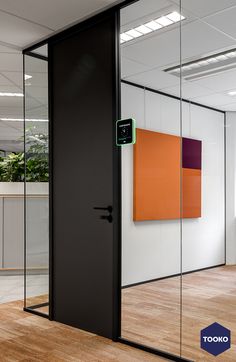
36 183
208 77
151 178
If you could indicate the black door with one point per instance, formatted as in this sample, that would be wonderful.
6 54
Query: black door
85 162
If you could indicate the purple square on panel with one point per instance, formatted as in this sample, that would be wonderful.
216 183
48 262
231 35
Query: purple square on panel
192 153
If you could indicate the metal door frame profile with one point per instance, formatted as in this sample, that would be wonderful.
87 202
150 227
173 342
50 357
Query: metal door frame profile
67 33
117 225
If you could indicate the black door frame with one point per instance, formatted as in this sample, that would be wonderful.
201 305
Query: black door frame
117 229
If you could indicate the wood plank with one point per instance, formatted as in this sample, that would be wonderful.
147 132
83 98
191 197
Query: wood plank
28 338
151 313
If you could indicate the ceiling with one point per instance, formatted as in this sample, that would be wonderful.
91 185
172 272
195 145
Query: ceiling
23 23
209 27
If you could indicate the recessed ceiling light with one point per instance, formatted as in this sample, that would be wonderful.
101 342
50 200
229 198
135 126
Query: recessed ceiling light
134 33
164 21
143 29
27 76
203 62
195 65
212 60
125 37
6 94
232 93
222 60
231 54
151 26
175 16
221 57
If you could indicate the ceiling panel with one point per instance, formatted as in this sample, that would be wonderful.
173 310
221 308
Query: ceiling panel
4 81
41 112
229 107
20 32
225 21
155 79
11 62
130 67
205 7
154 51
15 77
189 91
222 82
54 14
11 102
37 92
214 100
4 49
10 133
32 104
199 40
10 89
11 112
163 49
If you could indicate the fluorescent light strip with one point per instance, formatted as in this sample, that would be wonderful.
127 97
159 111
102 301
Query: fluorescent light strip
151 26
232 93
216 58
22 120
175 16
125 37
164 21
27 76
143 29
6 94
134 33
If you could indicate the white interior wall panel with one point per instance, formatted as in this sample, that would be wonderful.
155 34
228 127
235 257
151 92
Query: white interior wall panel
13 224
152 249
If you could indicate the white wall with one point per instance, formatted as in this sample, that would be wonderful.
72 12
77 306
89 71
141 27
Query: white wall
152 249
230 187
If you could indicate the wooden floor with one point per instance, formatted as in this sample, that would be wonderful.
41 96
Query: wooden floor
28 338
32 302
151 313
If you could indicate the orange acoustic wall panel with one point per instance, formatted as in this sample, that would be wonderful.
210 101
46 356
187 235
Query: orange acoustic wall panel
156 176
160 174
191 193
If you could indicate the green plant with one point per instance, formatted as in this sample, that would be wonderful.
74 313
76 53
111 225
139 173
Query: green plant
12 167
37 168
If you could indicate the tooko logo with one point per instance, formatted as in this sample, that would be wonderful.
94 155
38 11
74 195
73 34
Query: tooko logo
215 339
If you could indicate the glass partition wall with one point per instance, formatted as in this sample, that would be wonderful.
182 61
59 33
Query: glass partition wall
36 181
209 79
151 177
178 203
178 82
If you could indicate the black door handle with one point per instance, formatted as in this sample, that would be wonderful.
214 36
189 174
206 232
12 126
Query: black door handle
108 208
109 218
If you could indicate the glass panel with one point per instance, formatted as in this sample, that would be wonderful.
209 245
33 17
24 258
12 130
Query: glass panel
209 78
36 185
151 176
11 178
